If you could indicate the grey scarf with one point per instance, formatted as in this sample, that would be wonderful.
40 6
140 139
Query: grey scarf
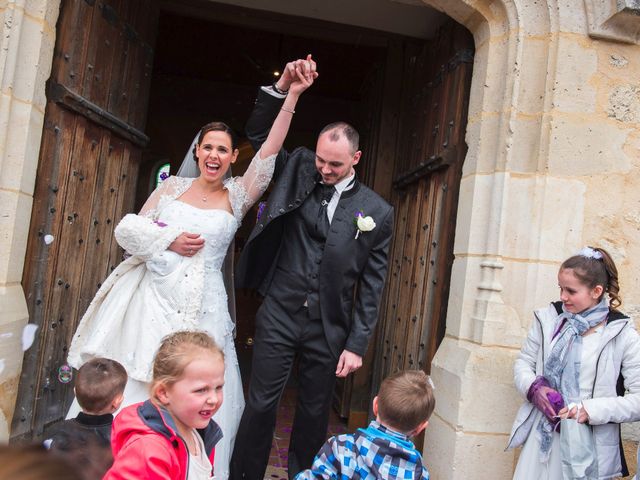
562 368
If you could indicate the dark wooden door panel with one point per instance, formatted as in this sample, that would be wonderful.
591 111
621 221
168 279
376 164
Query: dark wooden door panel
427 173
87 171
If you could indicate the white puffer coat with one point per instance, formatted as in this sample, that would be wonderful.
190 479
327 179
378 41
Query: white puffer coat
618 356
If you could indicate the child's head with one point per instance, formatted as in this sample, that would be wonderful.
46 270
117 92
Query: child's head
584 278
32 462
99 386
405 402
188 376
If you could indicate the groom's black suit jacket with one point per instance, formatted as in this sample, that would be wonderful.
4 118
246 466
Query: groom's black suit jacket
352 271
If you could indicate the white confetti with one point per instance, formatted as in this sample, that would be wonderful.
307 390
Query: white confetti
1 365
6 335
48 239
28 335
47 443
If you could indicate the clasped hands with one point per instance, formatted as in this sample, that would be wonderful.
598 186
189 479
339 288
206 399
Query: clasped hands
550 402
298 75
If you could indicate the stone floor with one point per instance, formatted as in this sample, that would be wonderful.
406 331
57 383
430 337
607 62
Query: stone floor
277 468
630 449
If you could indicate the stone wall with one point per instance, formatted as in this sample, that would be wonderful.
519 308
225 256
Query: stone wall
552 165
27 38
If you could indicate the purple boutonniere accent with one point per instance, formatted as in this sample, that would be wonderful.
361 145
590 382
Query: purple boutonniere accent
261 207
159 223
164 176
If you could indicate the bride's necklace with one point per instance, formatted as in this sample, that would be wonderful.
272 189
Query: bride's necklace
204 195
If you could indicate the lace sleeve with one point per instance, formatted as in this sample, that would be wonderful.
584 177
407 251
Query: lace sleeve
168 190
142 235
246 190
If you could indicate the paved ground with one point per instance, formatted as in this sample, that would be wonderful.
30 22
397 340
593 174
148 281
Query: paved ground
277 468
630 449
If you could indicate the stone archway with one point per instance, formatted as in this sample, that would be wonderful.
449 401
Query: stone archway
507 134
494 25
537 184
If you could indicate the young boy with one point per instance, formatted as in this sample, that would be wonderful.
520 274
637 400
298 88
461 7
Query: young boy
384 449
86 439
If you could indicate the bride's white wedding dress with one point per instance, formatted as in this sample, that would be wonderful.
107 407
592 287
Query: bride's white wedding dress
156 292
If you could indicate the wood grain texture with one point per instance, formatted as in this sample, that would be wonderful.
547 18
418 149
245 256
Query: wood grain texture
85 183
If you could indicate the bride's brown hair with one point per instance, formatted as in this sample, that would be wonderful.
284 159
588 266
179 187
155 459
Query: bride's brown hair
215 127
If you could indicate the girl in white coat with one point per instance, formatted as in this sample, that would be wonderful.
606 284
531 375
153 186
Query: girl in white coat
582 350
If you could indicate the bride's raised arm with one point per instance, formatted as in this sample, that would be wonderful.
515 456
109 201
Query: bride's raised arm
301 74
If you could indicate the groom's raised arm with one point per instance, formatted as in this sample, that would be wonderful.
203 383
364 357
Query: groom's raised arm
264 113
260 122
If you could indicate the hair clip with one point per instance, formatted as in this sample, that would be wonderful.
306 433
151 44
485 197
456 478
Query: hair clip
430 382
589 252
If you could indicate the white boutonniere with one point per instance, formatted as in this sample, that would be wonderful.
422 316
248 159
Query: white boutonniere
363 223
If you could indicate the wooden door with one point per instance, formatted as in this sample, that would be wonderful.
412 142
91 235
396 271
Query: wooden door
430 151
91 145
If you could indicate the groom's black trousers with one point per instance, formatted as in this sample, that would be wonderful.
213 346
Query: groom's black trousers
280 336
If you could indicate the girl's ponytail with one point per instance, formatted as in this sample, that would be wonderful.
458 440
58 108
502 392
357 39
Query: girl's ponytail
613 287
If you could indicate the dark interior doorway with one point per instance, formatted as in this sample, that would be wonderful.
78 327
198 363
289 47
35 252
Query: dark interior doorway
209 69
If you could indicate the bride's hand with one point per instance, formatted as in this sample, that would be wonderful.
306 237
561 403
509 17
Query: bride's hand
187 244
304 73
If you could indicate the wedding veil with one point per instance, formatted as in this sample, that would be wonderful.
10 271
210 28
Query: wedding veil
189 167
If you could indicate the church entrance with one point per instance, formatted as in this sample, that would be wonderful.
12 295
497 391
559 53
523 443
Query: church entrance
155 73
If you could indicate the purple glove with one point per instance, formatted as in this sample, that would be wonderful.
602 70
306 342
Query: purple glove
545 399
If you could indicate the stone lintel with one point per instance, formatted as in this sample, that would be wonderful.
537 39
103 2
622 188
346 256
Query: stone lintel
618 20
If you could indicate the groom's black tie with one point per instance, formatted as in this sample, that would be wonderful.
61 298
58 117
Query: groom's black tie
325 193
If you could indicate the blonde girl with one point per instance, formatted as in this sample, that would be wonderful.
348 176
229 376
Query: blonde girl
172 435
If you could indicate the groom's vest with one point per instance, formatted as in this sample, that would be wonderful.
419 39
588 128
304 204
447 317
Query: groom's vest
297 275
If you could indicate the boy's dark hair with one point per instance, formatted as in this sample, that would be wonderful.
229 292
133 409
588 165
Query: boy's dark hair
98 382
405 400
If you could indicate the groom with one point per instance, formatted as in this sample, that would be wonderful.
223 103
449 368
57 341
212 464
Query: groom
321 264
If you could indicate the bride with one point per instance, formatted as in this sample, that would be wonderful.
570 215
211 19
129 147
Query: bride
173 279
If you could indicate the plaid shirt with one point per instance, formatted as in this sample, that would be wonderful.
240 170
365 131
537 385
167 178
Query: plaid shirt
371 453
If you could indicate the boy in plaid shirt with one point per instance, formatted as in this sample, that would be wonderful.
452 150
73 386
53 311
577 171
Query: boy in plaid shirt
383 450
